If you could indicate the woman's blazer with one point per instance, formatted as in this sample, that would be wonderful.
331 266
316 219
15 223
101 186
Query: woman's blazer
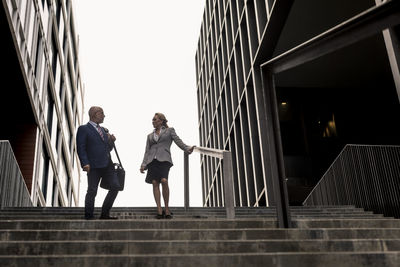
160 149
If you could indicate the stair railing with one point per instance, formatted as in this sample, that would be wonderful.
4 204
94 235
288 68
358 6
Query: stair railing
227 176
367 176
13 190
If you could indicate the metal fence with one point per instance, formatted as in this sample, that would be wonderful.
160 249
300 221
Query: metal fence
366 176
13 190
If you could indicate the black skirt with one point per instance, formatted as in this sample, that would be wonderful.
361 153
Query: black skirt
156 170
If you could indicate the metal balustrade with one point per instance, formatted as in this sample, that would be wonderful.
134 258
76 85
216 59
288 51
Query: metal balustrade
366 176
13 191
227 177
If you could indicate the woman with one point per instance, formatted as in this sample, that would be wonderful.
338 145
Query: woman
157 160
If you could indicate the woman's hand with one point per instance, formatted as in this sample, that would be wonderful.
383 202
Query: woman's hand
141 169
191 149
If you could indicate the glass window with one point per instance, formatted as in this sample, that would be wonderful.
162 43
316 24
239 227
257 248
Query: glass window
49 109
67 132
61 89
45 17
43 178
72 43
50 187
57 81
61 29
54 197
53 54
22 11
41 73
54 137
70 82
31 33
36 60
63 176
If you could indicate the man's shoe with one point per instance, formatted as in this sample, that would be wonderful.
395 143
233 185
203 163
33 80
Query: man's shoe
90 218
107 217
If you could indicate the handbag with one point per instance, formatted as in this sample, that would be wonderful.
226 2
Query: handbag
115 177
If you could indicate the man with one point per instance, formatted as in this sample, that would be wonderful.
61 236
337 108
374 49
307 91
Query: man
94 146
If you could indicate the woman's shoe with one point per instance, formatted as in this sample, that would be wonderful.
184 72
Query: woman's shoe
168 216
160 216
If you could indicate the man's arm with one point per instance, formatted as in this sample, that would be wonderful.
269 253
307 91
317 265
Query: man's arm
81 143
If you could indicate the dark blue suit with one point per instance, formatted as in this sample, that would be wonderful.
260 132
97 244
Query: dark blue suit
94 151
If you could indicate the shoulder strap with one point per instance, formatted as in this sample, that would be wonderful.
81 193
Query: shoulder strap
116 152
113 145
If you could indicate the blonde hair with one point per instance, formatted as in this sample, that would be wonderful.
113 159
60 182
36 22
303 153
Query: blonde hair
162 118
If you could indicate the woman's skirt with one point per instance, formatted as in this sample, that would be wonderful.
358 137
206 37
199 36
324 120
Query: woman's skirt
156 170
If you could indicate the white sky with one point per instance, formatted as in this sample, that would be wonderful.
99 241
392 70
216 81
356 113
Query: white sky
138 58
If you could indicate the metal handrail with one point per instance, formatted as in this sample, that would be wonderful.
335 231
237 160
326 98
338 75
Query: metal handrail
13 190
366 176
227 176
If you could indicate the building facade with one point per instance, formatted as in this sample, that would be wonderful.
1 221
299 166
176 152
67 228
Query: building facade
42 96
284 86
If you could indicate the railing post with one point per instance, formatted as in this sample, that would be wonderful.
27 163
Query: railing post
228 185
186 179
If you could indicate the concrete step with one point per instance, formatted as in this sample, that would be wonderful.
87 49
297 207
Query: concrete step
178 216
347 223
143 247
52 213
198 234
211 223
181 211
298 259
322 236
139 224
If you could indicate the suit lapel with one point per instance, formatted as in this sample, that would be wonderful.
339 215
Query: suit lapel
95 132
161 134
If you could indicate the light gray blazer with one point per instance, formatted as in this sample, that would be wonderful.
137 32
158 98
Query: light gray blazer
160 149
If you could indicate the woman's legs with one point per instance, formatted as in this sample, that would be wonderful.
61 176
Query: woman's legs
157 195
165 192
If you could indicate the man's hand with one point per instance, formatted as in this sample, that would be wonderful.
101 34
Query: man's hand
86 168
112 137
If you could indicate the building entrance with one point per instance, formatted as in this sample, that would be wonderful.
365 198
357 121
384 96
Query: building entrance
346 97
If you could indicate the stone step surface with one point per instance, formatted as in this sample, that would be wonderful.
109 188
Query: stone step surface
321 236
298 259
195 246
198 234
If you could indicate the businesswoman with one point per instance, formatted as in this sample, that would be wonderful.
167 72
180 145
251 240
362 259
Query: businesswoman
157 160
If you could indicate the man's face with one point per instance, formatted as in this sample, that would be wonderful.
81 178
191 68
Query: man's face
99 116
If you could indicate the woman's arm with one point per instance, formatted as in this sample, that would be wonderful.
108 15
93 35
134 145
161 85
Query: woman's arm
179 142
143 165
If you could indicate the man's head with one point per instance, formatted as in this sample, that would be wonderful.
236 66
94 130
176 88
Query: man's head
96 114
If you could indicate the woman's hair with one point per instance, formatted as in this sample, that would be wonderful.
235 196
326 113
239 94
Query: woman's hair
162 117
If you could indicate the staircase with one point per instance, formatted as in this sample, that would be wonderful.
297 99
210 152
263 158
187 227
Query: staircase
325 236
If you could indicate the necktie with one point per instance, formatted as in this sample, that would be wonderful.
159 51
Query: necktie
100 132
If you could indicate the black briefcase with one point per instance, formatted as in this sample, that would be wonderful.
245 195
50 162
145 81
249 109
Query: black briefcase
115 177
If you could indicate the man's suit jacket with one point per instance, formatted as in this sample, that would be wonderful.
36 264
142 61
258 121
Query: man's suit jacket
91 147
160 149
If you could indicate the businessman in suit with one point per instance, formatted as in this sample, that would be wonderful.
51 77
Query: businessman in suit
94 146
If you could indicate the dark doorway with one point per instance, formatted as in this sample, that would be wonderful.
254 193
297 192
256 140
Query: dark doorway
347 97
18 123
